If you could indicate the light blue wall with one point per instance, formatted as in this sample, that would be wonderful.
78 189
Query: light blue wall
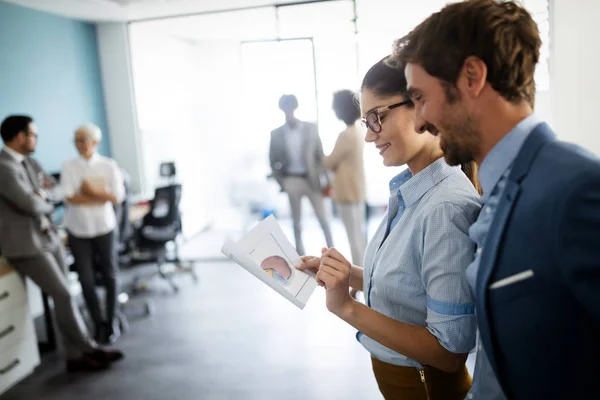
49 69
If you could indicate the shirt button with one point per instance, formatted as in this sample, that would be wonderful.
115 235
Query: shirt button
488 210
480 348
479 250
401 208
470 396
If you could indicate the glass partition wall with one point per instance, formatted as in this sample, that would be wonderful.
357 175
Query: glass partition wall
207 88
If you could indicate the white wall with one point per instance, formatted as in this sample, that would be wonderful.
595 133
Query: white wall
575 63
115 66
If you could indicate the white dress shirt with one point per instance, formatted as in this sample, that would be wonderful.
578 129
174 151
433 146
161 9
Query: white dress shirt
91 220
294 139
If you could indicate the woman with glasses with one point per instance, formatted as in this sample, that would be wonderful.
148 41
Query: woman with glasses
418 319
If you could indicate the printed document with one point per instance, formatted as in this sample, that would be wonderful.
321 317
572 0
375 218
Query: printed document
267 254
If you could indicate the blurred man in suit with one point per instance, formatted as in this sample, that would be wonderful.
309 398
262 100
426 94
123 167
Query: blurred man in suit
536 274
28 240
295 154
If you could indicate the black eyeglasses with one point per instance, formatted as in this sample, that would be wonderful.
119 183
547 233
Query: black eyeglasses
372 120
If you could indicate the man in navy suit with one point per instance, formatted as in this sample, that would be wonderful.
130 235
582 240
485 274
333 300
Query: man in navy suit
536 275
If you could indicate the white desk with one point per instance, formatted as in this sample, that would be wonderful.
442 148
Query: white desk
18 344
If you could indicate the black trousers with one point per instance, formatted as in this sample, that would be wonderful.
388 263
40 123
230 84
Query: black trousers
97 255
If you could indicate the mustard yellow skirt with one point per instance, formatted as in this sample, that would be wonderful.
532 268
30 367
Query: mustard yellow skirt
408 383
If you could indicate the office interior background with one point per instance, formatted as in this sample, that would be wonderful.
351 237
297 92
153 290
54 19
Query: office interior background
196 82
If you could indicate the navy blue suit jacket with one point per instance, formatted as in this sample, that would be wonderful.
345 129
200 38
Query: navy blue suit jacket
541 329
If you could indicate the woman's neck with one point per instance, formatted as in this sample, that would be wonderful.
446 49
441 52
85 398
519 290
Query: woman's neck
427 156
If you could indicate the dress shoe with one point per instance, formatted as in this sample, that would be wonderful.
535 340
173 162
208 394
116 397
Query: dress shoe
105 355
86 364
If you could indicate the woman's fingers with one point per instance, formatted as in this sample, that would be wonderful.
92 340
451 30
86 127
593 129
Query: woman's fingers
325 277
309 262
344 269
333 253
333 274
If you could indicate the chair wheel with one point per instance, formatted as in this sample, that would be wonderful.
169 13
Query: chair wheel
148 308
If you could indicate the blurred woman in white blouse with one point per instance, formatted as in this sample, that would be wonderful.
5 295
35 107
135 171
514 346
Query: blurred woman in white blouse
92 184
346 161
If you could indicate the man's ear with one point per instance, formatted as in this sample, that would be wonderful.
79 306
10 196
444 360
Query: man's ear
473 76
21 137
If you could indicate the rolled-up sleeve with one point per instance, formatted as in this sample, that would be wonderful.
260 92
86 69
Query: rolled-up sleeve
447 251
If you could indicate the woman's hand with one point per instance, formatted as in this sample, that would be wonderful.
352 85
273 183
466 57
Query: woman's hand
311 265
335 273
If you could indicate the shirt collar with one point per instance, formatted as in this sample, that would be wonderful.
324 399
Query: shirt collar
412 188
504 153
92 159
17 156
297 128
400 180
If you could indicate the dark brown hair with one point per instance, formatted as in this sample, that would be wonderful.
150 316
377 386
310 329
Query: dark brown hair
346 106
386 78
13 125
288 102
501 33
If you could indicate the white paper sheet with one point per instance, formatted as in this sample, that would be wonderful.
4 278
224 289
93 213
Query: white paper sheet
267 254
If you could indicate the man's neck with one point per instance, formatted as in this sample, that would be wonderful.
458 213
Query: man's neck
500 121
293 123
14 148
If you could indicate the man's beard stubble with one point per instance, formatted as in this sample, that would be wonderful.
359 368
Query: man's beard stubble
459 139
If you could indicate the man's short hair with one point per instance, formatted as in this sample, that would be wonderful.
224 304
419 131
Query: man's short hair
501 33
92 131
13 125
346 106
288 102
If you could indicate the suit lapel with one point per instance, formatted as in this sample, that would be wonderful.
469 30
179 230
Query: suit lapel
30 174
521 166
27 171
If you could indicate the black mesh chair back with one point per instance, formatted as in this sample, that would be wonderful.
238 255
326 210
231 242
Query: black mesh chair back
163 222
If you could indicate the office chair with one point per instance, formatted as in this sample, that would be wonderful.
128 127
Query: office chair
157 237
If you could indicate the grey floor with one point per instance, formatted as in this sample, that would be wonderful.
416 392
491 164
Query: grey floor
227 337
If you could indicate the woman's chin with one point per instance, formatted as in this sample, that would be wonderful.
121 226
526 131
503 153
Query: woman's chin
392 162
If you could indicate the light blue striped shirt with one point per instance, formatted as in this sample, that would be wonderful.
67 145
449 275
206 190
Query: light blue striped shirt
414 268
493 176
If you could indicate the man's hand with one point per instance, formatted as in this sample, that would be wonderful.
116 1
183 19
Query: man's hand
334 271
